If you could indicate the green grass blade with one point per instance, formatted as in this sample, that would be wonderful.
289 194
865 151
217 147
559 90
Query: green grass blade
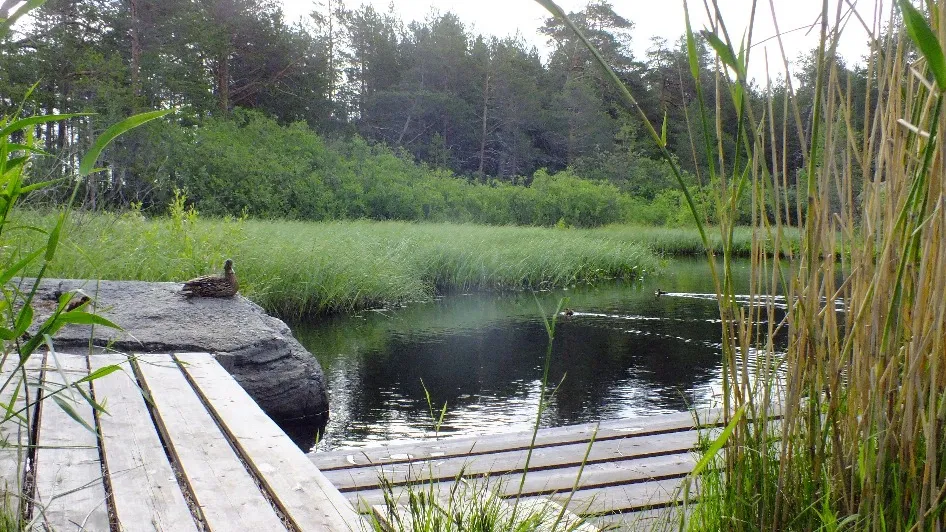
24 123
99 373
725 53
87 164
71 412
925 40
718 443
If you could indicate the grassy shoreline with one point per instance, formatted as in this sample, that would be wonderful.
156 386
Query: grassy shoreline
297 269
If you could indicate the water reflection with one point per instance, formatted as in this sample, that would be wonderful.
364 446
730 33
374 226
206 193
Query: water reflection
623 353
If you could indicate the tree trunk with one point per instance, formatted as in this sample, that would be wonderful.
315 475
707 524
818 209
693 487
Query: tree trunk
483 129
135 34
223 82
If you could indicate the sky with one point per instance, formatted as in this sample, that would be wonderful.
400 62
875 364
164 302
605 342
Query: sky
662 18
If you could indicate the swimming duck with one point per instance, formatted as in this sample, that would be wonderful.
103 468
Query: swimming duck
659 293
213 285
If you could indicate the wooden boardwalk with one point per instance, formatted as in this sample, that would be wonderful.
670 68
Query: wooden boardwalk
632 468
180 447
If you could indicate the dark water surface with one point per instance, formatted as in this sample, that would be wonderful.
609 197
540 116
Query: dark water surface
623 353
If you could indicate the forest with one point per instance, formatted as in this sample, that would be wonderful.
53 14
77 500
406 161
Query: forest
357 114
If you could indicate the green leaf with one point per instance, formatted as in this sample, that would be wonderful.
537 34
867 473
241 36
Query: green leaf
663 131
24 123
71 412
724 51
79 317
692 55
17 269
99 373
718 443
23 320
53 241
13 146
926 41
17 161
7 334
43 184
87 164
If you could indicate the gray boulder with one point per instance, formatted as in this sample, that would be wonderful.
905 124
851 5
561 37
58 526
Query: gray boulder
257 349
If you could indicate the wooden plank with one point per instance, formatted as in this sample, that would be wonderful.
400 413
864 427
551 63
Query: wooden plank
70 492
510 461
476 445
302 492
613 499
14 434
226 494
622 498
653 520
144 487
596 475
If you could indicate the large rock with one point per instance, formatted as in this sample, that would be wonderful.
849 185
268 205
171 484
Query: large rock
257 349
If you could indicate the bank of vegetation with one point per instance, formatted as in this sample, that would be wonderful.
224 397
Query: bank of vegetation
302 268
354 113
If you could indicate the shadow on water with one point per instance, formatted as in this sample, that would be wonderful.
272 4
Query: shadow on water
623 353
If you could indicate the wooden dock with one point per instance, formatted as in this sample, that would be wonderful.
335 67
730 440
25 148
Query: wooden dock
630 478
180 446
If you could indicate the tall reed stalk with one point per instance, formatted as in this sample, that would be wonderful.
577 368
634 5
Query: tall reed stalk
846 428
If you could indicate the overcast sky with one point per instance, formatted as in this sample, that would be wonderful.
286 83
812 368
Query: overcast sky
662 18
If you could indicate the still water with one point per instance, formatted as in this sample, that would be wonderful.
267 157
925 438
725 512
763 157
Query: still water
623 353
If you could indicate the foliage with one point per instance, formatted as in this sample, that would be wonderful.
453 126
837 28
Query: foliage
433 91
248 164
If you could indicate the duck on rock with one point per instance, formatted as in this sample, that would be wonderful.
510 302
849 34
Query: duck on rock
213 285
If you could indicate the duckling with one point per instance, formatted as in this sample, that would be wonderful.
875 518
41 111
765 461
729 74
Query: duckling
81 299
213 285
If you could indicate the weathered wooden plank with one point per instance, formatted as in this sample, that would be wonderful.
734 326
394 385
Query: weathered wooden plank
474 445
619 498
603 474
510 461
665 519
225 492
558 481
622 498
14 434
302 492
70 493
562 480
145 491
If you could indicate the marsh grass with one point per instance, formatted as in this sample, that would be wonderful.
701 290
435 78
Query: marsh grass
861 443
296 269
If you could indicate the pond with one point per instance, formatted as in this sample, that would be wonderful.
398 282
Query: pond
624 352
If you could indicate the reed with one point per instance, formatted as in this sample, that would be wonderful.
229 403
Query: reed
846 429
295 269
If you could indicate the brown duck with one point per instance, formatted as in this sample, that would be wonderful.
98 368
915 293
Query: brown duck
213 285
